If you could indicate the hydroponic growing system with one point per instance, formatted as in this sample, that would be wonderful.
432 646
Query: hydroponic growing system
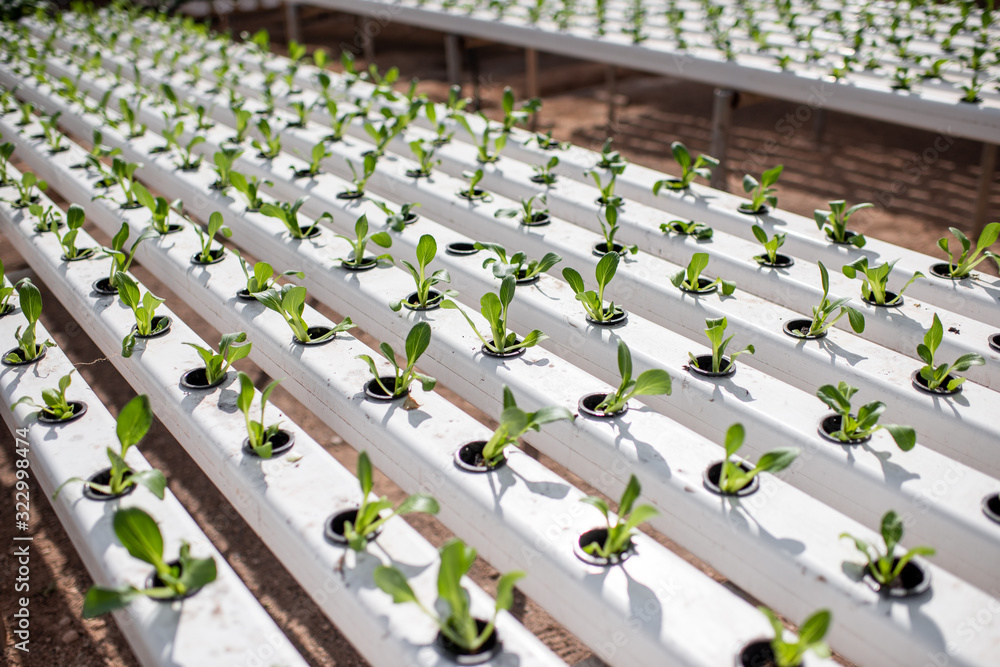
321 173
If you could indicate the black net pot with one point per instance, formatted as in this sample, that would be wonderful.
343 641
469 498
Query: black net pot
485 653
34 200
509 354
601 249
705 286
799 328
847 239
618 318
304 173
39 355
599 535
943 270
417 173
434 299
757 654
333 527
104 477
79 410
537 220
366 264
375 393
710 478
308 232
81 254
469 457
780 261
159 326
914 580
994 342
920 384
746 210
281 442
125 206
892 300
216 255
602 202
542 180
103 287
154 581
45 230
461 248
991 507
245 295
314 333
705 361
522 281
410 218
674 184
830 424
477 195
197 379
587 405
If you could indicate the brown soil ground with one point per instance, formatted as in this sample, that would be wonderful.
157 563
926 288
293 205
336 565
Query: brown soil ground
854 158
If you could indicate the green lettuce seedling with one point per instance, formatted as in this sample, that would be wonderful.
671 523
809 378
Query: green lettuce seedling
811 634
288 214
880 561
28 347
698 230
224 160
515 422
702 166
608 219
935 376
121 260
527 212
874 280
424 153
54 403
455 619
124 174
609 158
834 222
473 192
716 331
271 146
263 272
608 197
733 478
518 265
380 135
232 347
132 425
543 172
26 189
426 251
441 133
593 302
53 137
144 309
690 278
652 382
131 116
289 301
49 218
397 220
771 245
360 241
242 121
417 341
139 534
961 266
371 515
547 143
171 133
158 207
188 160
482 141
260 436
6 150
216 225
6 291
74 221
317 155
494 310
370 162
512 116
170 96
629 518
762 192
822 313
865 423
249 188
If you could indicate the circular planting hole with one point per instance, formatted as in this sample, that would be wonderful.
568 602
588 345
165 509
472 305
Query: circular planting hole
366 264
489 650
333 527
830 424
914 580
314 333
599 535
216 255
469 457
159 326
711 480
281 442
892 300
780 261
434 299
21 361
104 287
103 477
461 248
588 406
197 378
991 507
79 409
601 249
799 328
375 392
705 286
704 361
920 384
619 318
154 581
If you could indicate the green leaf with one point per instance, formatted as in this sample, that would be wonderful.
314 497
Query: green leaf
905 436
777 459
607 267
572 276
629 496
419 502
505 589
140 535
814 628
391 581
101 600
734 439
624 362
134 421
365 474
417 341
153 480
653 382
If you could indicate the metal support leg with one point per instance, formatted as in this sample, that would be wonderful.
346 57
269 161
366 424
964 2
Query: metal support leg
612 83
292 25
722 119
453 59
987 166
531 79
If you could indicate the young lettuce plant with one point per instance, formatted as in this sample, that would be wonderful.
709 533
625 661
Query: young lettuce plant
50 131
261 280
472 192
441 134
317 155
961 266
139 534
512 116
608 197
131 117
188 160
881 564
699 230
232 347
865 423
74 222
132 425
26 194
652 382
369 164
224 160
270 148
123 172
424 153
771 245
514 423
716 331
609 228
482 141
875 279
6 292
543 172
250 189
54 403
159 209
242 122
529 214
28 347
610 159
936 376
143 308
811 634
834 222
48 218
619 533
371 515
690 169
121 260
288 214
216 225
426 251
690 278
761 192
6 150
417 341
732 476
289 302
822 313
259 436
518 265
454 619
593 302
398 220
171 133
494 309
356 258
